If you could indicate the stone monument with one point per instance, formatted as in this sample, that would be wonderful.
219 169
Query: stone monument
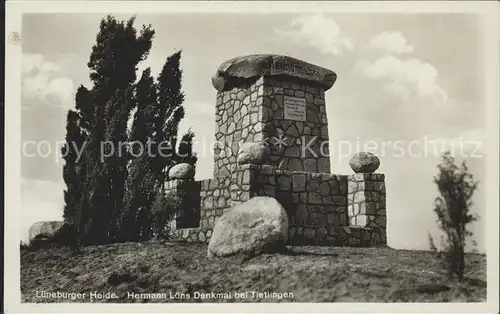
272 140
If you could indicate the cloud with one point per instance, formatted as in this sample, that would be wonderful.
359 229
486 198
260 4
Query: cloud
405 78
35 62
393 42
42 80
408 79
319 32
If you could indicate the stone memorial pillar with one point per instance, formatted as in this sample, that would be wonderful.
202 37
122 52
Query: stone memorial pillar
276 100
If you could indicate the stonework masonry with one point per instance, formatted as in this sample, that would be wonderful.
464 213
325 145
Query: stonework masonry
256 113
280 101
324 209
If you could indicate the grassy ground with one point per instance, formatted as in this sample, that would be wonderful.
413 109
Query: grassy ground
311 274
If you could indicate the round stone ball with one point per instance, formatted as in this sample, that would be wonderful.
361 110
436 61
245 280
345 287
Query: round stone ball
182 171
252 153
364 162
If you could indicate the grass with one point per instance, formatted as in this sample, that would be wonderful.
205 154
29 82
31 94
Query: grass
310 274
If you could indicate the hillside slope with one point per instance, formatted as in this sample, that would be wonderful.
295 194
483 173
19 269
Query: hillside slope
181 272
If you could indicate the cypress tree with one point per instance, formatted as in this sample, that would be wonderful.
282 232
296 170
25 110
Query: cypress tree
110 189
72 170
170 111
113 64
78 125
104 112
141 180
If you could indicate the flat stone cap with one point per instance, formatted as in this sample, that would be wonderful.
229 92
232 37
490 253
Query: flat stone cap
257 65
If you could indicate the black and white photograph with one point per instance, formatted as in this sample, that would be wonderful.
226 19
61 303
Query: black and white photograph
329 154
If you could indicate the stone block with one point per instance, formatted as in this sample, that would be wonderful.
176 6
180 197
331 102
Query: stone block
358 177
352 210
317 219
344 219
340 200
333 230
301 215
359 197
314 198
352 186
298 182
369 186
361 220
333 219
370 208
379 186
324 189
380 221
321 233
268 190
310 165
353 221
285 182
309 233
295 197
295 164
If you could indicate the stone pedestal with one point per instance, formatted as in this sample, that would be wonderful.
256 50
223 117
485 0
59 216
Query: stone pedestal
277 100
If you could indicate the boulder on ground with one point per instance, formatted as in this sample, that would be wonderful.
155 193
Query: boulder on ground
364 162
44 230
252 153
259 225
182 171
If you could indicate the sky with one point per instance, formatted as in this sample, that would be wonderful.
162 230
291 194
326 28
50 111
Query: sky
409 79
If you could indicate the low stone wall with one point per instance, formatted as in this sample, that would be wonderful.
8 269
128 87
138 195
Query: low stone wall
215 198
324 209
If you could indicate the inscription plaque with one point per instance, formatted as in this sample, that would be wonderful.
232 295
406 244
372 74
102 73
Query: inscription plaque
295 108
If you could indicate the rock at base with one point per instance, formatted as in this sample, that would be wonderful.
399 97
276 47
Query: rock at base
183 171
364 162
252 153
259 225
44 230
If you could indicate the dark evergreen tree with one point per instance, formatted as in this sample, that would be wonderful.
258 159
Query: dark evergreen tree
170 111
104 113
72 169
79 123
111 186
140 187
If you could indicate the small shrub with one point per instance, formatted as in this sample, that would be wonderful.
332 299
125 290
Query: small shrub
456 186
164 210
